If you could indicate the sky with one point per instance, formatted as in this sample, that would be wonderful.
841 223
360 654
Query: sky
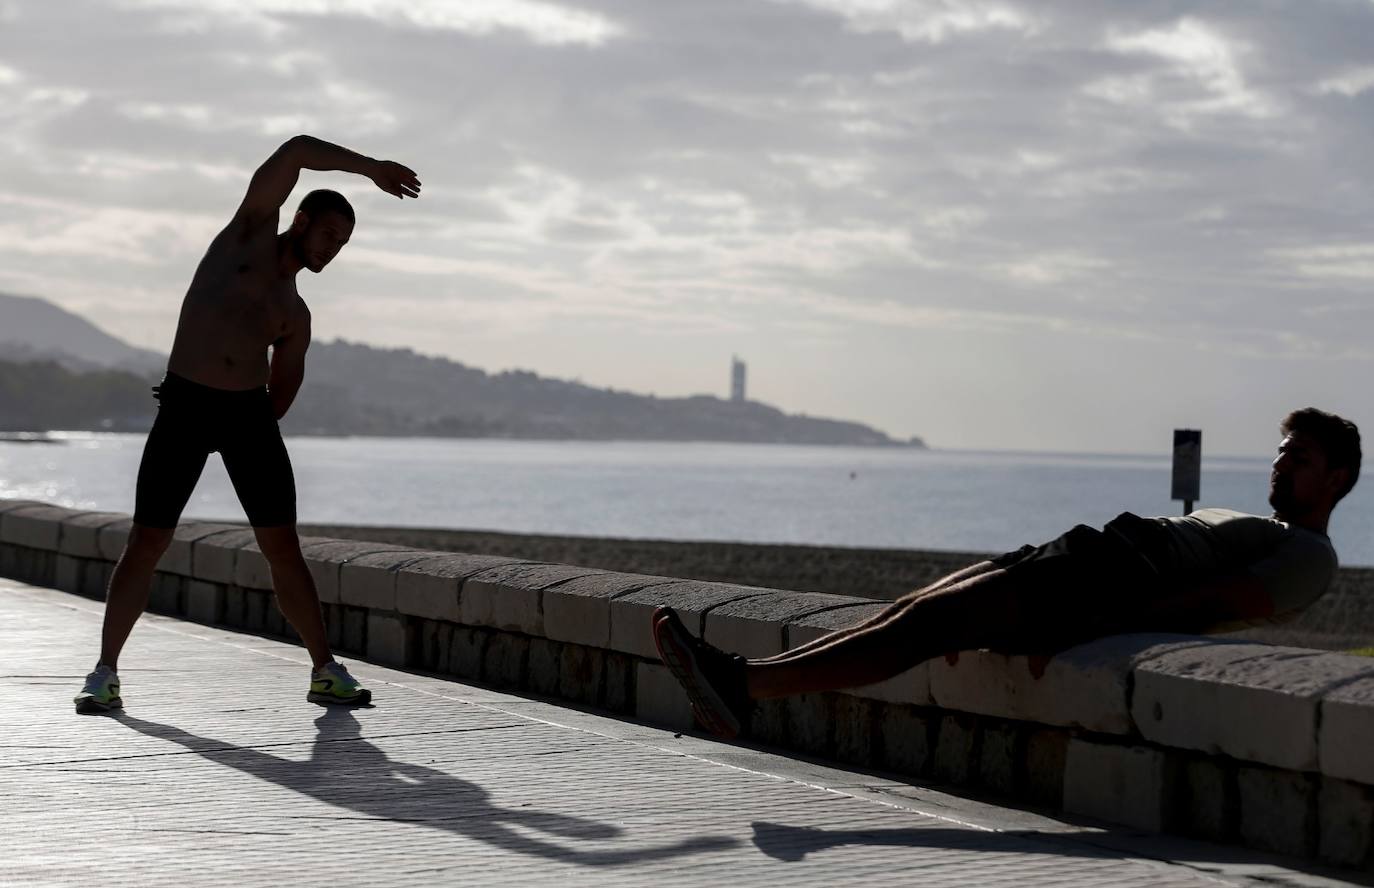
1067 226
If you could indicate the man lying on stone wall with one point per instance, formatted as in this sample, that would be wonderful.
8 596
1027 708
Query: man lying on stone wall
1213 570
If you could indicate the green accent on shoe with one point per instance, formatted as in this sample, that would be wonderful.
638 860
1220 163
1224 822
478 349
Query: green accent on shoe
331 683
100 693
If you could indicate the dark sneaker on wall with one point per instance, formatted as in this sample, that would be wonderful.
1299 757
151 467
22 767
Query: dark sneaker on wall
713 679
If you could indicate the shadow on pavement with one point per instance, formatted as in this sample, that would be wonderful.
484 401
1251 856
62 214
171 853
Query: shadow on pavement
793 843
346 771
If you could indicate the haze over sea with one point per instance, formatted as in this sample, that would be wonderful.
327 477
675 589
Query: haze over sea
842 496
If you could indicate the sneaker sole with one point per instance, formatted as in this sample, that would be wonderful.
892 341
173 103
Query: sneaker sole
91 705
362 698
710 709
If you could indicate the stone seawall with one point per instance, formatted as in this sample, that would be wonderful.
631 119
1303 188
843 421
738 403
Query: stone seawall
1342 620
1226 740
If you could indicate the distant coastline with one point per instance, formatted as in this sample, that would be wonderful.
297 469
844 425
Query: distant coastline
65 373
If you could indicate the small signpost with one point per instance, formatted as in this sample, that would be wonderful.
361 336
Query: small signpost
1187 467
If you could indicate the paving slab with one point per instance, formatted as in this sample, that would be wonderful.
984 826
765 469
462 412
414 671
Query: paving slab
445 783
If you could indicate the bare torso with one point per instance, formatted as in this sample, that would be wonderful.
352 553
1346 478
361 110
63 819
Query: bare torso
237 306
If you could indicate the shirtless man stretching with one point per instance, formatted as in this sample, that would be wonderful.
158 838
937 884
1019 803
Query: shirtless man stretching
222 392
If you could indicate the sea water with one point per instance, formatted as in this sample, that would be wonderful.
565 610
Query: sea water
846 496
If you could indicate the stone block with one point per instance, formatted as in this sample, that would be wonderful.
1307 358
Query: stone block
37 527
256 606
1122 784
770 723
619 692
434 639
1042 781
204 601
112 537
67 573
353 637
579 610
542 672
505 659
509 597
1205 800
386 639
853 730
429 586
370 580
234 608
810 721
906 739
955 748
325 557
581 673
754 626
212 555
9 505
1345 735
1087 686
95 578
81 533
1345 812
998 750
632 613
177 558
468 652
1278 810
660 700
1250 701
164 597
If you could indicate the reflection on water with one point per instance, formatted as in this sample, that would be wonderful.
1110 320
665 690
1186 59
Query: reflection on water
762 493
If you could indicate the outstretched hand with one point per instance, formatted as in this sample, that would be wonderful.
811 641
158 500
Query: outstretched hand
395 179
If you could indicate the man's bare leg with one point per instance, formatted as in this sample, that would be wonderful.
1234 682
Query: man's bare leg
127 596
984 609
884 615
295 588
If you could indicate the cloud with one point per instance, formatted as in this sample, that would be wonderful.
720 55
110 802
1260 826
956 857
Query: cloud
927 21
1195 53
1350 83
541 22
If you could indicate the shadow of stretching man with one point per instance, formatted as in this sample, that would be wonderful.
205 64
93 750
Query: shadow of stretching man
223 393
1213 570
382 788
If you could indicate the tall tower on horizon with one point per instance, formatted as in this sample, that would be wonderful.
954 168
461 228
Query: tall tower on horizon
737 371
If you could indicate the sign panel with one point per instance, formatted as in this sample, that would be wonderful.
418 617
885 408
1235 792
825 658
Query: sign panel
1187 464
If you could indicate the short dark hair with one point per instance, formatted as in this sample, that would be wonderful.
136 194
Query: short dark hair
1338 438
323 200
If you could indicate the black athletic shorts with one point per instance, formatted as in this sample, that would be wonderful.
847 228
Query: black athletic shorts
194 420
1090 582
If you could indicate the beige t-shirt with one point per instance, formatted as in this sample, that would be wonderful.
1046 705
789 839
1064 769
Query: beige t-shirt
1295 565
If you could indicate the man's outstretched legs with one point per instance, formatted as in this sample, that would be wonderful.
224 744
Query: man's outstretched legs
979 607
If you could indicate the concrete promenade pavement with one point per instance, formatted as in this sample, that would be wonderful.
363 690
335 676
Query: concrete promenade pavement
220 773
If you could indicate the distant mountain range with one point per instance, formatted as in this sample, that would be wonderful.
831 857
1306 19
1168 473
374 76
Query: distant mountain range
58 370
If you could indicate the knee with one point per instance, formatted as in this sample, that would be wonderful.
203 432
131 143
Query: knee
147 543
279 545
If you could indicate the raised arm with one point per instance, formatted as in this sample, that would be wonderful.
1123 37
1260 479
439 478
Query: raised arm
274 180
288 365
